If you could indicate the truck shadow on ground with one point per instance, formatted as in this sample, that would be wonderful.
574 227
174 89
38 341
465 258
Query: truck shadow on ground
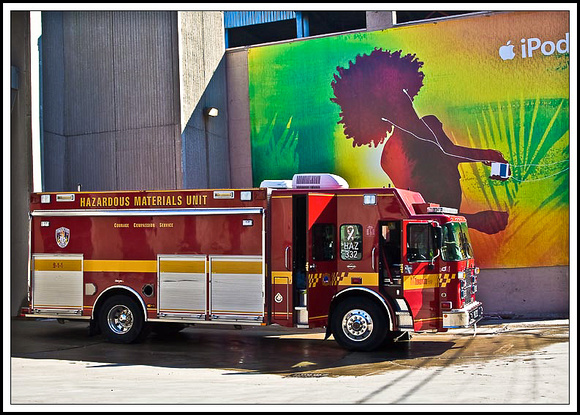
260 350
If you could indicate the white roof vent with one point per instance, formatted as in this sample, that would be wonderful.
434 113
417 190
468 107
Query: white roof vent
277 184
318 181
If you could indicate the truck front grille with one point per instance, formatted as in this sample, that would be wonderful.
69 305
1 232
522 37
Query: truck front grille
470 285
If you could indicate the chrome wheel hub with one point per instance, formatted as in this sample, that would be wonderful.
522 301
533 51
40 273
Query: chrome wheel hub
120 319
357 325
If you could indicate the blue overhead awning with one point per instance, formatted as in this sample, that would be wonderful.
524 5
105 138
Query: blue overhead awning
247 18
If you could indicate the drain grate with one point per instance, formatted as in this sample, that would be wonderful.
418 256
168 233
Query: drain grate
306 375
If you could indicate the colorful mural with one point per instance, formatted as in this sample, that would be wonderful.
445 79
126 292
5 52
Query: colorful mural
472 112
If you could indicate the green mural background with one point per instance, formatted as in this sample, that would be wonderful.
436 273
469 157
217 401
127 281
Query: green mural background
518 107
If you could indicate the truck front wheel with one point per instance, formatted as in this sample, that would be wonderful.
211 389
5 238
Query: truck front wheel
121 320
359 325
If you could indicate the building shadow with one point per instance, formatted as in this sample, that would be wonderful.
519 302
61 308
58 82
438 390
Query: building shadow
259 350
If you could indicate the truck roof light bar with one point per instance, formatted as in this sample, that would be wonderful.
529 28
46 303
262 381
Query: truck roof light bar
276 184
440 209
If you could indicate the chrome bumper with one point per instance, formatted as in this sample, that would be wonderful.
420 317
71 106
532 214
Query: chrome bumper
463 317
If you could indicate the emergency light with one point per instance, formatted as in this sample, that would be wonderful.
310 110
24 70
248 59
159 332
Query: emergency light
440 209
276 184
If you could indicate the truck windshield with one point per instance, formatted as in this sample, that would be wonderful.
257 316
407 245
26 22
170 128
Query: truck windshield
456 244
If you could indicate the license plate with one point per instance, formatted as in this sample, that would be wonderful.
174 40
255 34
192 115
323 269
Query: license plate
476 315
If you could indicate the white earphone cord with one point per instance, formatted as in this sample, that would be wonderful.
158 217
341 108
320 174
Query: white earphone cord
463 157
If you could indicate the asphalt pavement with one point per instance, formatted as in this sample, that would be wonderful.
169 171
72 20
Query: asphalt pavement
511 363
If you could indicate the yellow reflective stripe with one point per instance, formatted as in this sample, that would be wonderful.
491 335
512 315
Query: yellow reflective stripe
445 279
236 267
92 265
427 319
368 279
277 275
56 264
416 282
193 267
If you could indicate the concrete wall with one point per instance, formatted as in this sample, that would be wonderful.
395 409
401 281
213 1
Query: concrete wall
379 20
120 92
202 79
111 101
528 292
20 158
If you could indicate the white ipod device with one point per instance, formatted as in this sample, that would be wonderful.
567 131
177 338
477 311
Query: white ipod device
500 170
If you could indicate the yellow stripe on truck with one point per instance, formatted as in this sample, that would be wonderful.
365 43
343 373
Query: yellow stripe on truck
370 279
92 265
419 282
236 267
55 264
279 276
186 267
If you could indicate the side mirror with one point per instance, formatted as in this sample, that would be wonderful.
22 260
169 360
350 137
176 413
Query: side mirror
437 235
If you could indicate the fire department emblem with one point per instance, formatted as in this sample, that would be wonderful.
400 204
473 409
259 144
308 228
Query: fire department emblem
62 236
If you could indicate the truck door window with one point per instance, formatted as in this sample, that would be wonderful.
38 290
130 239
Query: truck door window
390 249
419 242
323 242
456 243
351 242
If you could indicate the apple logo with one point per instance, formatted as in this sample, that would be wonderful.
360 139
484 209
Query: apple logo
507 51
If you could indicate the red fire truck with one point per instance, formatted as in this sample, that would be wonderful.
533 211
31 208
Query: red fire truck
370 265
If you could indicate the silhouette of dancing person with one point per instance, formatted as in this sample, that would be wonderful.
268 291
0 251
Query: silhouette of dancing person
375 94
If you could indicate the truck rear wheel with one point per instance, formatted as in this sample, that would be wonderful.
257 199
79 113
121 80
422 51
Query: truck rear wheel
359 325
121 320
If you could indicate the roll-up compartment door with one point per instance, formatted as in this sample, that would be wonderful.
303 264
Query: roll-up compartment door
57 284
182 286
237 288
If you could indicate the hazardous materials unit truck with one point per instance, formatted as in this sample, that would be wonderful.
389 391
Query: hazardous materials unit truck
370 265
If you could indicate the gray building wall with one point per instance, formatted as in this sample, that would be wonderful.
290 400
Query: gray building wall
20 157
205 146
525 292
123 100
378 20
111 101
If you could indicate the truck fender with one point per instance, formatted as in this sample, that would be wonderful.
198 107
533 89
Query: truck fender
120 288
366 291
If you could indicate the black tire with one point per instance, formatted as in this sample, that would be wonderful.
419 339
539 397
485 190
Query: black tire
167 329
121 320
359 324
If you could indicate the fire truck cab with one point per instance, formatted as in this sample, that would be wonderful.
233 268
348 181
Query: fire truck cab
370 265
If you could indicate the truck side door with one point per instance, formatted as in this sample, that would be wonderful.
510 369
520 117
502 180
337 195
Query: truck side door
322 252
420 278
